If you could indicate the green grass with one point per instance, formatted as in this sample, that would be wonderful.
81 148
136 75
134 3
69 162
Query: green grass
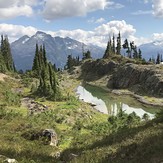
81 130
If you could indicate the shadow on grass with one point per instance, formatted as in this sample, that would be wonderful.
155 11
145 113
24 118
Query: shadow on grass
28 156
150 150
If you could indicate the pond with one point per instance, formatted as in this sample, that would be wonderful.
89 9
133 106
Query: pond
109 103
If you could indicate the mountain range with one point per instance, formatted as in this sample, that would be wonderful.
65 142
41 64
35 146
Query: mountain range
150 50
57 49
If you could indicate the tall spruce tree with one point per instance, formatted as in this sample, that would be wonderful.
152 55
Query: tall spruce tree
118 47
6 55
113 45
158 59
36 65
108 51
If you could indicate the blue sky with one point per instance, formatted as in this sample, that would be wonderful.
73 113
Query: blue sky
89 21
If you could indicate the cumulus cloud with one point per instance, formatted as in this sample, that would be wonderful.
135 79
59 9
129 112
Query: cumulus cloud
14 8
99 36
114 27
158 8
16 31
55 9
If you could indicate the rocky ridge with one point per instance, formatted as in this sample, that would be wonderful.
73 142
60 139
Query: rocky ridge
138 78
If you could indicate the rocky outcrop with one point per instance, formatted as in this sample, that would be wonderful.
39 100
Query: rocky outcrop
94 70
33 106
51 135
139 78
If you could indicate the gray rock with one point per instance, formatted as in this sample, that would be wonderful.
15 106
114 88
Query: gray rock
51 135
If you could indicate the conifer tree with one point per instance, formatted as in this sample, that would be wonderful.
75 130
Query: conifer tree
113 46
126 46
108 51
46 75
158 60
118 47
36 65
6 55
69 62
139 54
86 55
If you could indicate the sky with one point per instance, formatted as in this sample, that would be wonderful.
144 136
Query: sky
88 21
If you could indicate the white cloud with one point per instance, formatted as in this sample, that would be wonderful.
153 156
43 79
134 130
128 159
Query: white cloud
99 36
114 27
158 8
16 31
14 8
55 9
98 21
157 36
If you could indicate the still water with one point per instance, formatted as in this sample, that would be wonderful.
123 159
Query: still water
109 103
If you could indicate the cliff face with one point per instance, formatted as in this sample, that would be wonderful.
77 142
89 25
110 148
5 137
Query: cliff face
94 70
139 78
142 79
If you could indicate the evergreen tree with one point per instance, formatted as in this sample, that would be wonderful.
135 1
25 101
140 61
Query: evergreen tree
118 47
108 51
161 58
86 55
69 62
135 53
54 67
158 60
36 65
113 45
139 54
126 46
47 77
133 49
44 56
6 55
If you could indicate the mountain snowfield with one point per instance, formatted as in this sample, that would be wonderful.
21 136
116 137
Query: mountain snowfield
57 49
150 50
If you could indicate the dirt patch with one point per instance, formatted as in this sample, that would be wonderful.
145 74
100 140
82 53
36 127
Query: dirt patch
3 76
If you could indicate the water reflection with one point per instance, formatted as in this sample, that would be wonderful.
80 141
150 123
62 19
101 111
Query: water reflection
86 96
109 107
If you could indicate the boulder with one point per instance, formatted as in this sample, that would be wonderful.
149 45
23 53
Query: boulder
51 135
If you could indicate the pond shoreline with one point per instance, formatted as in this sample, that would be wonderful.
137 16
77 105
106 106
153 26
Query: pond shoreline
152 101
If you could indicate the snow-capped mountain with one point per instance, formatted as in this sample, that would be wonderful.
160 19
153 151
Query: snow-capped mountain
150 50
57 49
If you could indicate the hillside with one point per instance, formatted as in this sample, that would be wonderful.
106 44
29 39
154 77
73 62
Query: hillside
84 134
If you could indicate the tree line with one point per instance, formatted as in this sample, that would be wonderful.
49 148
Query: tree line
115 48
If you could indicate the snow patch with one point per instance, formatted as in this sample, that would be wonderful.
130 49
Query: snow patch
23 42
39 36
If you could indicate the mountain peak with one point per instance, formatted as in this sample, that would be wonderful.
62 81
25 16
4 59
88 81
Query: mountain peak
40 32
57 49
